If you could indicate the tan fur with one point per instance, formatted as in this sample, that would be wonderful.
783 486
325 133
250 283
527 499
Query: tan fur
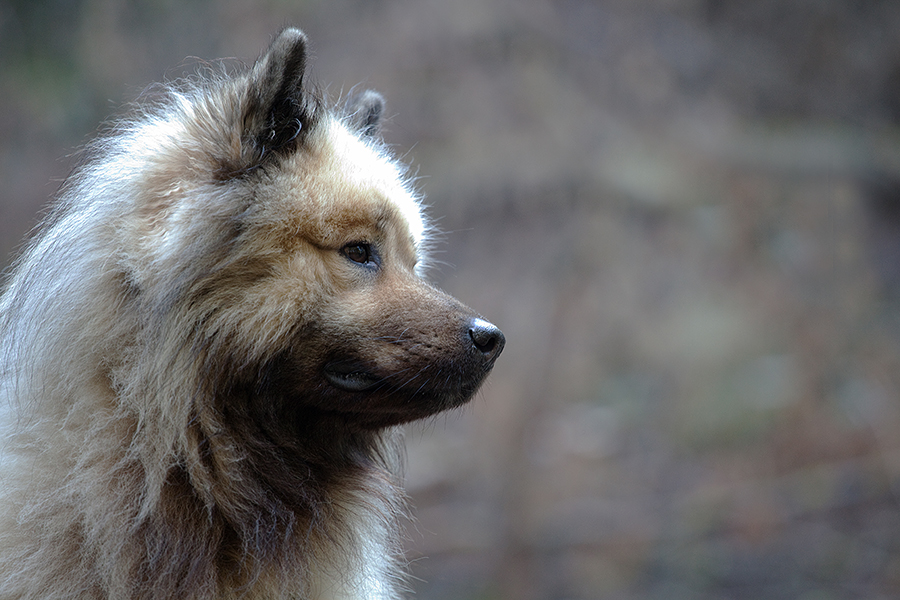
201 377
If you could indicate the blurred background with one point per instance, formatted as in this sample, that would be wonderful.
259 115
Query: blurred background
685 216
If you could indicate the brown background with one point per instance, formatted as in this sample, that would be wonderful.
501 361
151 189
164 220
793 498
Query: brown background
685 215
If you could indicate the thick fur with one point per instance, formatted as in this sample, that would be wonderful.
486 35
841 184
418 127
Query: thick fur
207 347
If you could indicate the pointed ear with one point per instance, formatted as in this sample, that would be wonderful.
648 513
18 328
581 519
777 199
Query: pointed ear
364 112
277 111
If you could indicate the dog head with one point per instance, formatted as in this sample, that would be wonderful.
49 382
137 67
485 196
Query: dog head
290 246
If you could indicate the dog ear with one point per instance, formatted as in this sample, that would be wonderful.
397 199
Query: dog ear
277 111
364 112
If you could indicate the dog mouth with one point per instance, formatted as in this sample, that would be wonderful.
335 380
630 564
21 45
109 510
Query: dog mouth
350 376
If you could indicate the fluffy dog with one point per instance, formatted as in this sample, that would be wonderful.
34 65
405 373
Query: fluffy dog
207 347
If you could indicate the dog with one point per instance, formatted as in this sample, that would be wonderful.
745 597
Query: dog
209 344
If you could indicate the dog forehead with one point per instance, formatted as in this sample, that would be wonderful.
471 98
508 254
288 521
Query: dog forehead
353 184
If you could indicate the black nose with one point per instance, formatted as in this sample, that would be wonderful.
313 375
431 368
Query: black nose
486 338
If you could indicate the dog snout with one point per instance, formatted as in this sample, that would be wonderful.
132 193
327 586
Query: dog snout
486 338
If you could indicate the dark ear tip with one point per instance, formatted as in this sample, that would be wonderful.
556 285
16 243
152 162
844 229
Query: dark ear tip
290 38
369 98
287 53
365 111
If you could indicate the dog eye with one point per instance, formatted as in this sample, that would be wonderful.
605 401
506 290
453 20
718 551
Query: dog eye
358 252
